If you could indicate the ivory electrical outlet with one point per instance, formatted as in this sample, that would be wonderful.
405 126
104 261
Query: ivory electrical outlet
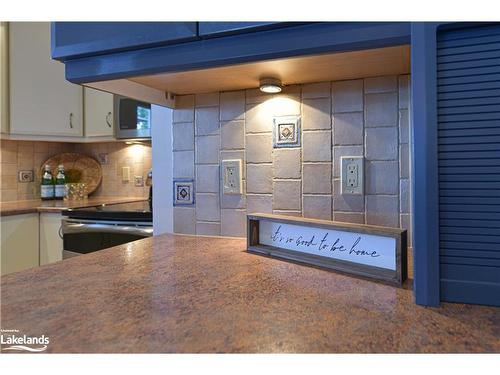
25 176
352 181
125 174
231 176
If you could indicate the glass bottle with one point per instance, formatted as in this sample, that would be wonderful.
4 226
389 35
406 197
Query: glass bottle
60 185
47 184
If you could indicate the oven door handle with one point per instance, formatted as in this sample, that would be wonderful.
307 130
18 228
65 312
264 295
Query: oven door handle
106 228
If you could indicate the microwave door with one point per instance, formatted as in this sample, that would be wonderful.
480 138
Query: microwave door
132 118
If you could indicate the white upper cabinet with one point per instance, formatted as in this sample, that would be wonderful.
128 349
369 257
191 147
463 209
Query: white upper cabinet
4 78
42 102
98 107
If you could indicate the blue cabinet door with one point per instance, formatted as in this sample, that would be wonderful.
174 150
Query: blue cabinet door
468 89
78 39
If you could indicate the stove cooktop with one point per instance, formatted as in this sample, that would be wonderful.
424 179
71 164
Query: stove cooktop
135 211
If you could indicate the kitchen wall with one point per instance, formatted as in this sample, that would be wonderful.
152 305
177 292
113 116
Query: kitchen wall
363 117
27 155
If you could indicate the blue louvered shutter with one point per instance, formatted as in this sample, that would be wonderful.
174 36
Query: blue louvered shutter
469 163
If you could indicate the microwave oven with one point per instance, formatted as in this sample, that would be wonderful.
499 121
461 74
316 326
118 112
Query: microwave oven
132 118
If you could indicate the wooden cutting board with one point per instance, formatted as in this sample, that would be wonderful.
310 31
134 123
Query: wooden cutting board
78 168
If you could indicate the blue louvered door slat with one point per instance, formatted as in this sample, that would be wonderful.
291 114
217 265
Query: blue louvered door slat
468 87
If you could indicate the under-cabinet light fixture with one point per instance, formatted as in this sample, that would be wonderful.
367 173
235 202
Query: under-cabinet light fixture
270 85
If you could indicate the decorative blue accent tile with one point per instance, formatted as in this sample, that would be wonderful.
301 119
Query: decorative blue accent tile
183 192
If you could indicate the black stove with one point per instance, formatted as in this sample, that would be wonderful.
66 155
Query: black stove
135 211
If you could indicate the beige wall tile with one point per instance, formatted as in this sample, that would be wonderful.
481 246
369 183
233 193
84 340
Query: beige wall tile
404 91
183 164
382 210
232 105
207 207
207 229
316 146
232 135
286 162
287 103
259 148
183 136
184 108
375 85
317 206
316 114
184 220
381 143
347 96
381 110
381 177
259 117
317 178
287 195
207 121
262 203
349 217
207 149
259 178
233 223
207 99
207 178
316 90
348 128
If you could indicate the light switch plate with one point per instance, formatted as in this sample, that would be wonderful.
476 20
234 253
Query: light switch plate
352 175
231 177
125 174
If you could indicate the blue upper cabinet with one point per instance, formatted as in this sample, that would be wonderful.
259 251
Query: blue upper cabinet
212 29
99 51
72 40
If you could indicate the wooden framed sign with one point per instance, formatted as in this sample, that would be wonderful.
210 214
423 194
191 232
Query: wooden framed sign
364 250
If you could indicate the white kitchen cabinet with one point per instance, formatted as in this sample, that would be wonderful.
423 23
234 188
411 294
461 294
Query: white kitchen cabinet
51 244
42 102
4 78
19 242
98 113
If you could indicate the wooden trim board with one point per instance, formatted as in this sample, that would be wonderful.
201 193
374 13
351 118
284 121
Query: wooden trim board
395 276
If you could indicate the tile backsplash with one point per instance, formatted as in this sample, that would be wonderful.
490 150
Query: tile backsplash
27 155
363 117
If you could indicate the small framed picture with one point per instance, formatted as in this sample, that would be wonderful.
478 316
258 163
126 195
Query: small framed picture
183 192
286 131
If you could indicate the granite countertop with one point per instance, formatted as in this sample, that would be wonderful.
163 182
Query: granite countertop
175 293
38 205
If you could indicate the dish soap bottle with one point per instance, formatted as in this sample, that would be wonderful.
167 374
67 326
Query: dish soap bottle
47 185
60 186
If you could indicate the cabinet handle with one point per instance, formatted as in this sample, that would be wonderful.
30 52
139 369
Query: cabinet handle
108 119
71 120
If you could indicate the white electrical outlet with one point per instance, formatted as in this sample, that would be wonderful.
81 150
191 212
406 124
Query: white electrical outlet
231 176
352 175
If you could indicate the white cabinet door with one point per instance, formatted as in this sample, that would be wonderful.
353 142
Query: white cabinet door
19 242
4 78
42 102
51 244
98 113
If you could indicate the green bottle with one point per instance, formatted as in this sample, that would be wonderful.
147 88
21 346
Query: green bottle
47 186
60 186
